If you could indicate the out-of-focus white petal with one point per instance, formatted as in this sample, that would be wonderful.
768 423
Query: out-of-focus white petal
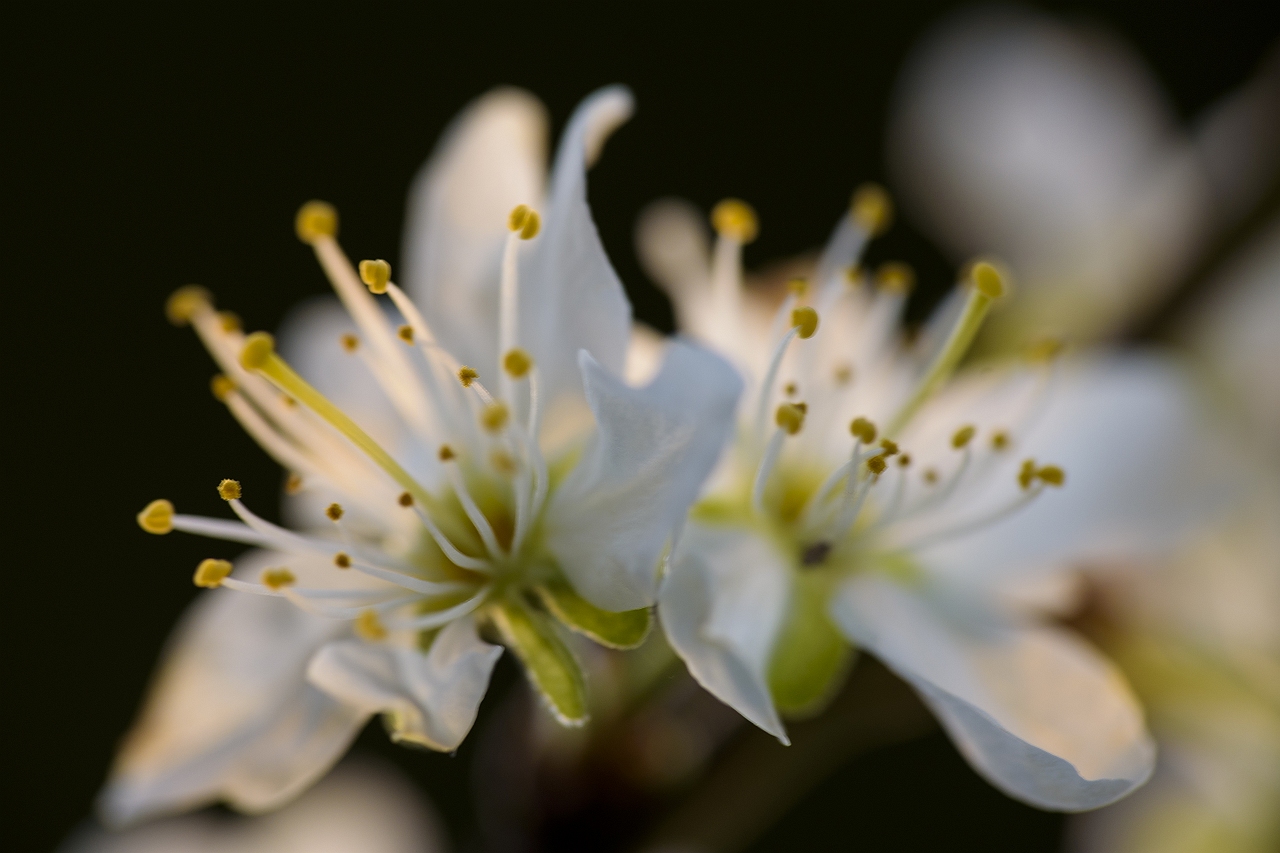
570 297
673 244
432 697
722 604
230 715
491 158
1036 711
362 805
610 520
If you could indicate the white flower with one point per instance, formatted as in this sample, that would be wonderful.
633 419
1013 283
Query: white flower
362 805
870 503
431 511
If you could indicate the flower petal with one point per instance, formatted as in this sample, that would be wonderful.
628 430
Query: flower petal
1036 711
722 604
432 698
491 159
610 520
230 714
570 297
673 244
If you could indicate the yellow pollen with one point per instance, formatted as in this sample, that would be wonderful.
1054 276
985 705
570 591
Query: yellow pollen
895 277
183 304
515 220
467 375
930 476
369 627
872 208
999 440
806 320
257 351
292 484
229 490
156 517
341 560
863 429
446 453
962 437
230 321
791 389
736 219
876 465
211 573
790 417
405 334
1044 350
494 417
843 374
532 225
502 462
376 275
517 363
1052 475
904 460
349 342
316 219
221 386
278 579
405 499
333 511
1027 473
890 447
798 287
986 278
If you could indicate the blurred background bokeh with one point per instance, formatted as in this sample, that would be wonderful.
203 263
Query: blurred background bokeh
149 149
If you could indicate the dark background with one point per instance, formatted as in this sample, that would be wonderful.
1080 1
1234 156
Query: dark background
148 149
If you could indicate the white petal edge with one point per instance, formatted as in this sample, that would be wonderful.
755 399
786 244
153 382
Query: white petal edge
1035 710
434 697
653 447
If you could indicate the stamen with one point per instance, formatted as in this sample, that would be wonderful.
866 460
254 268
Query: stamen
1049 475
889 447
469 506
986 288
495 416
962 437
999 440
895 277
790 417
292 484
735 219
211 573
376 275
157 517
843 373
1044 350
405 333
229 321
767 463
805 321
333 511
182 305
277 579
467 375
802 319
405 499
316 219
229 490
221 386
872 209
349 342
517 363
450 550
342 560
863 430
444 617
369 627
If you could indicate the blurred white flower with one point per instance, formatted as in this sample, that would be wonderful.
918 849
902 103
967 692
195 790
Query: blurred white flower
428 508
1052 146
873 502
361 807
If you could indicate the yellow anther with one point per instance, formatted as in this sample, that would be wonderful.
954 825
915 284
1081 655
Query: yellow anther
904 460
863 430
515 220
532 225
221 386
517 363
349 342
257 349
930 476
229 490
872 208
798 287
341 560
736 219
895 277
1027 473
843 374
292 484
376 275
1052 475
446 453
806 320
467 375
316 219
156 517
405 333
334 511
790 417
888 446
986 278
405 499
876 465
184 302
804 407
495 416
962 436
369 627
211 573
230 321
502 462
791 389
1044 350
278 578
999 440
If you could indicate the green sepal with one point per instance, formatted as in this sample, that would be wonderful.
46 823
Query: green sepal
810 657
550 666
624 630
